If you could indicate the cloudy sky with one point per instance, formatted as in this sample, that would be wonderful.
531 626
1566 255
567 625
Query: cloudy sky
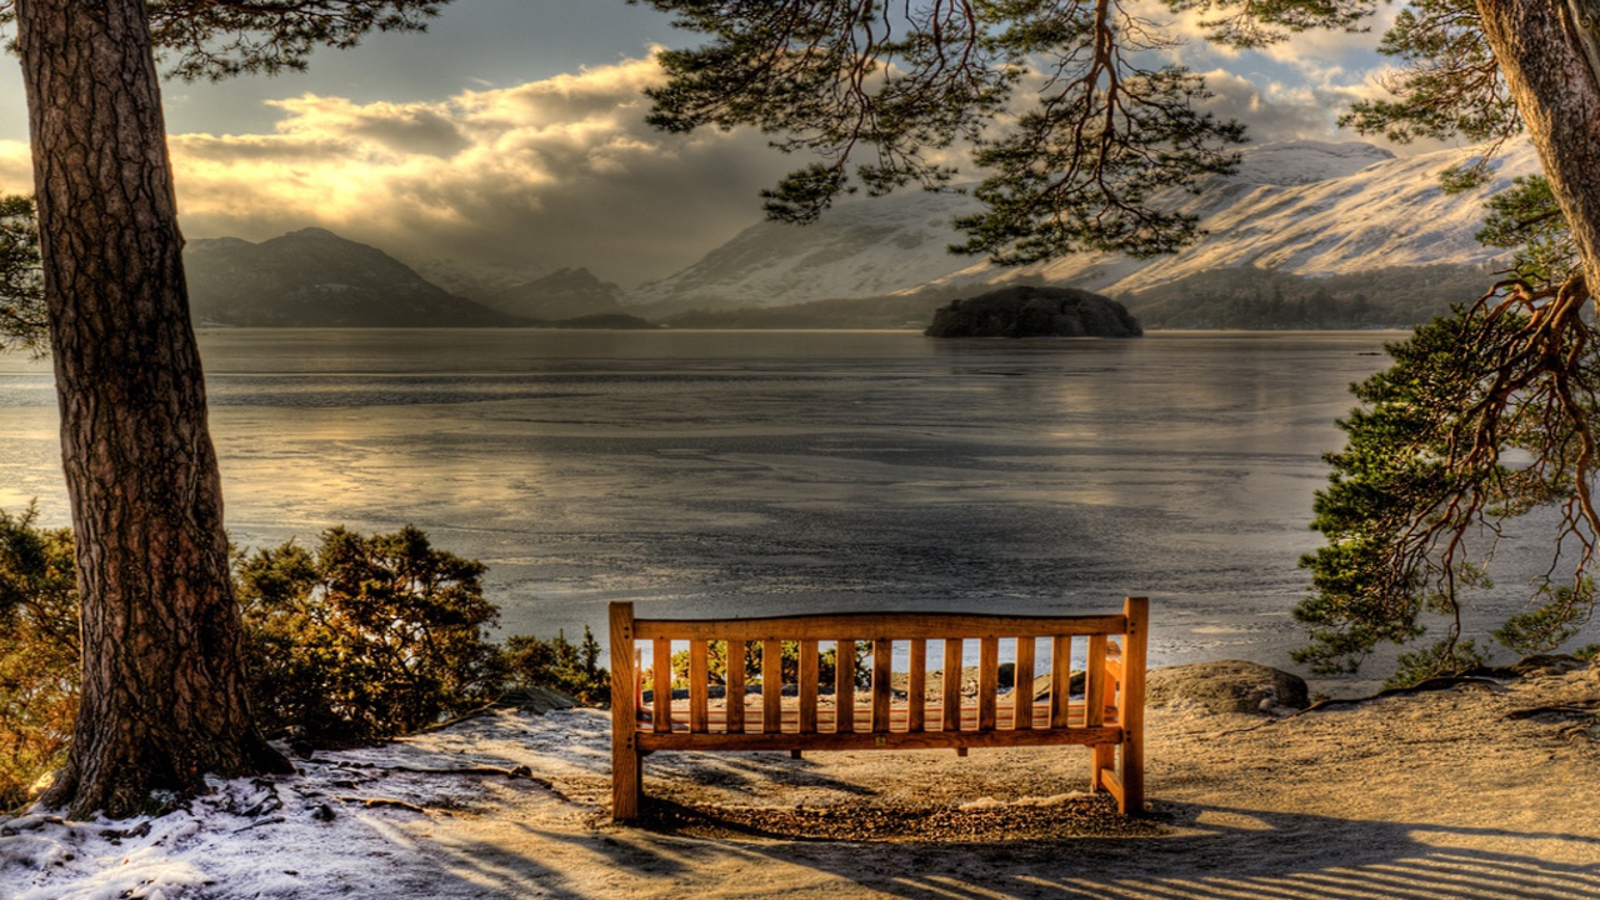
511 135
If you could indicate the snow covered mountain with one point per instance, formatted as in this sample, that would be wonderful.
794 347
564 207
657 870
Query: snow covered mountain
859 249
1301 207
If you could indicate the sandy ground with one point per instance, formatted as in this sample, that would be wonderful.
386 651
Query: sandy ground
1454 794
1482 791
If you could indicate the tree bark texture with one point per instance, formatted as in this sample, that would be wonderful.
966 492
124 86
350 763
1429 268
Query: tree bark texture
164 697
1536 43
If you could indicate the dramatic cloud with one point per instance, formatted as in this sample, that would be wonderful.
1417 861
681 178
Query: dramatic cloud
1274 112
564 172
559 172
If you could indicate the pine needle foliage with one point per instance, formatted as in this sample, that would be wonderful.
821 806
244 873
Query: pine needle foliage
22 308
560 664
754 653
218 39
38 652
1485 416
1065 106
1448 84
365 637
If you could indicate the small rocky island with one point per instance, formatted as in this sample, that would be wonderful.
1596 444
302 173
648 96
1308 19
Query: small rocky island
1027 311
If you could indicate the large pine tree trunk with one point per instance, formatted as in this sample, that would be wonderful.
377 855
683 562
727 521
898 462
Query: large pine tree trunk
164 698
1536 43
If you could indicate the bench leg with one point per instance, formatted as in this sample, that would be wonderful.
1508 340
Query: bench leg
627 784
1104 757
1131 773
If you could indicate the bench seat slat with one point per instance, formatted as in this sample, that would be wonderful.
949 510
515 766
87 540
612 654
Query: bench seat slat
898 719
928 740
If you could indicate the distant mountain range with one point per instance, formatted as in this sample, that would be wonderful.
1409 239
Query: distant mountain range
314 278
1305 234
1305 209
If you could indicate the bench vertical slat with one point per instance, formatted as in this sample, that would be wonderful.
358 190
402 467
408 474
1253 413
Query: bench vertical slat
917 687
1103 768
625 774
1060 680
1094 678
1022 685
951 720
844 687
735 682
662 662
988 682
699 688
1130 710
809 676
771 686
638 679
882 688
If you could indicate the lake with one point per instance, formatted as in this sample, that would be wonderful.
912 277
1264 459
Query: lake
723 473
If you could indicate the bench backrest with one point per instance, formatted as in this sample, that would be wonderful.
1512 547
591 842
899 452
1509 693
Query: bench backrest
1111 647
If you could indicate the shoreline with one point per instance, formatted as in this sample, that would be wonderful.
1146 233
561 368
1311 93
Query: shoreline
1476 791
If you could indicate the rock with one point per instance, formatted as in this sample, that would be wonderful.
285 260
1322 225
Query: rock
606 321
536 699
1041 685
1548 665
1228 686
1027 311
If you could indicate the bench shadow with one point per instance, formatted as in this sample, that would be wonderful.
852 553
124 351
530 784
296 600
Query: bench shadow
1236 854
1211 853
745 772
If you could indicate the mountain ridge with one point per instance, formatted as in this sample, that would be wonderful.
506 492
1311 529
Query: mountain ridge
315 278
1308 208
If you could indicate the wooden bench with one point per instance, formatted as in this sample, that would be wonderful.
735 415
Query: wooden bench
1108 717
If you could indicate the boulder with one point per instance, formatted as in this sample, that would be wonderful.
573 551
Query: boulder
1034 312
536 699
1544 665
1228 686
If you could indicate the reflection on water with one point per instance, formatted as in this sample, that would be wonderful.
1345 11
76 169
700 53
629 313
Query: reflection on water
755 473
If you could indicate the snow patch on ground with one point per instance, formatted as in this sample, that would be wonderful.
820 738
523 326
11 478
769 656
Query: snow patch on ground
309 836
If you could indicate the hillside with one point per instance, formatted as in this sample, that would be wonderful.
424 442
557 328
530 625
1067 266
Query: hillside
314 278
1303 210
1263 300
562 294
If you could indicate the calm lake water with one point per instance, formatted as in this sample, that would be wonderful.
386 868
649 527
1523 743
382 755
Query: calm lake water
717 473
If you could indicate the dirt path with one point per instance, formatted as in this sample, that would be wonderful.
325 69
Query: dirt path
1447 795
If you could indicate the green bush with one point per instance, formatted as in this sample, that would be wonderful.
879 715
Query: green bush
717 664
38 652
361 639
367 637
571 668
